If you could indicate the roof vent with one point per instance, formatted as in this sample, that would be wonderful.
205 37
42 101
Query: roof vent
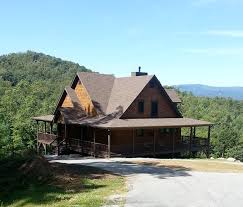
139 73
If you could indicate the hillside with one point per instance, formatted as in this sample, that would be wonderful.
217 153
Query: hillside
211 91
31 83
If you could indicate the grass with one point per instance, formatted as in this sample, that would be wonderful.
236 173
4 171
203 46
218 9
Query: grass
201 165
68 185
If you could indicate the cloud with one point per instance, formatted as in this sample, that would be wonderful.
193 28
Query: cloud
214 51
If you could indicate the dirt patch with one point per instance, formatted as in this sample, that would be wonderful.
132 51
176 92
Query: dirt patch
67 176
37 167
196 165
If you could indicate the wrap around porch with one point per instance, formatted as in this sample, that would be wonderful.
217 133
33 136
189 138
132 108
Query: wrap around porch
128 142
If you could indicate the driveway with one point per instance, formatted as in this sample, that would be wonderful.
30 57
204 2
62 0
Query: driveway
167 187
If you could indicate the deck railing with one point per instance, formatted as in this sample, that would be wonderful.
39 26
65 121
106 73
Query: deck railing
46 138
88 147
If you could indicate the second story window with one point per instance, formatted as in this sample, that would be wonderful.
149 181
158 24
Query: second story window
141 106
154 108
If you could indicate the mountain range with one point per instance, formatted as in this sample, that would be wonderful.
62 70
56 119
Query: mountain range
212 91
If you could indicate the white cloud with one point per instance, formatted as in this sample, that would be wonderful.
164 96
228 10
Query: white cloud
215 51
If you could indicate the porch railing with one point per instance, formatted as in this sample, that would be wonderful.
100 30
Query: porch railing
46 138
88 147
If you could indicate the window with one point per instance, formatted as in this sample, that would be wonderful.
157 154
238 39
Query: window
140 132
154 108
141 106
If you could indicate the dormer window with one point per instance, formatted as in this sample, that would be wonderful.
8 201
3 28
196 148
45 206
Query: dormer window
141 106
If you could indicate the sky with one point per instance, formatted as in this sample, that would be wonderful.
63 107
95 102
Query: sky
180 41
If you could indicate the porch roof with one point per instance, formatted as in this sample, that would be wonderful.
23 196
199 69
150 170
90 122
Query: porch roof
47 118
151 123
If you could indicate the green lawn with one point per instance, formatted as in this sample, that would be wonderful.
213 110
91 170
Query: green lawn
68 185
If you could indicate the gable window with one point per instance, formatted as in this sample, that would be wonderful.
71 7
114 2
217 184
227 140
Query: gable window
141 106
139 132
154 108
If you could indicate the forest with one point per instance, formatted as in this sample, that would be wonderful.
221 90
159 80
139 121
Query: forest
31 83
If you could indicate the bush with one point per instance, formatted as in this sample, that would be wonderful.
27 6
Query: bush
236 152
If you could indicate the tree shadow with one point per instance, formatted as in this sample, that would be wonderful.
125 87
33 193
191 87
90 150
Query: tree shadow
66 182
130 168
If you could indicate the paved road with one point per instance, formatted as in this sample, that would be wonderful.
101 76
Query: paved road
165 187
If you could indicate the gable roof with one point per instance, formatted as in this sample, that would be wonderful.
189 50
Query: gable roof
173 95
124 92
109 95
99 88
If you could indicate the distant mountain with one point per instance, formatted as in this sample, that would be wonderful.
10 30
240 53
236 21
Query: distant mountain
211 91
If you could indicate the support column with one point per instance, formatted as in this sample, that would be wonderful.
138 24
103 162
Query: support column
190 144
65 134
51 126
109 143
208 142
94 142
45 127
37 131
154 141
133 141
58 139
173 142
82 139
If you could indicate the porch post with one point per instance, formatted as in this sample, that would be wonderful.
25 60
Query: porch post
82 137
65 134
190 147
58 140
194 132
133 141
173 142
45 127
154 140
208 142
109 143
37 131
50 127
94 142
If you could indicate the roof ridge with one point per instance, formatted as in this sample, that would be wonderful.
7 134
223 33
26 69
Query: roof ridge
110 95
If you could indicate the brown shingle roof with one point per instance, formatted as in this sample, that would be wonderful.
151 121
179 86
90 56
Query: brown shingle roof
73 96
152 123
124 92
99 88
173 95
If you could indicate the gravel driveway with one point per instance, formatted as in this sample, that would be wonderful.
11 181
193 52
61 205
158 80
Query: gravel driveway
165 187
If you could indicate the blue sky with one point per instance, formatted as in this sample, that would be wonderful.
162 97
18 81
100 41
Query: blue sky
181 41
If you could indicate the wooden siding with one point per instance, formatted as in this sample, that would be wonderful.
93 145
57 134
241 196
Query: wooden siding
67 102
84 99
148 94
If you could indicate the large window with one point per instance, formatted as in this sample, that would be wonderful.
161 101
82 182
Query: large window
141 106
154 108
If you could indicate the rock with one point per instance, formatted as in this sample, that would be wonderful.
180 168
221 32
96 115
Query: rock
238 161
211 158
231 159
